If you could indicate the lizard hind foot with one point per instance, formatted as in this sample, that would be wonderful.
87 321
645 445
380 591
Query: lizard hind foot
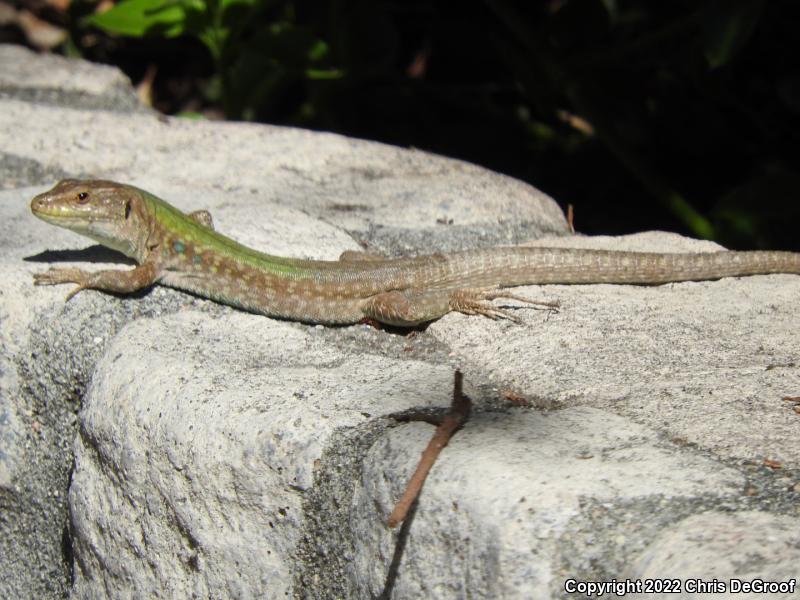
479 302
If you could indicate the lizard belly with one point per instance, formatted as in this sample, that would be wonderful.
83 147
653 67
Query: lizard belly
299 300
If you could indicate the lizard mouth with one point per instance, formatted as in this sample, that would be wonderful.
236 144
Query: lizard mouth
44 208
59 218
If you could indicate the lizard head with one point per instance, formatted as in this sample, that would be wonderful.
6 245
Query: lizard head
106 211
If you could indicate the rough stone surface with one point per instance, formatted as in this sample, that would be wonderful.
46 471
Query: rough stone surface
638 433
496 507
58 81
219 443
746 547
35 434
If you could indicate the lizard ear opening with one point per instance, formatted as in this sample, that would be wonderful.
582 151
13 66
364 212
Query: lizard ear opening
127 209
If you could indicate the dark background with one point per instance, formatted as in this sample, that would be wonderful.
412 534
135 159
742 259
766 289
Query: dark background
679 115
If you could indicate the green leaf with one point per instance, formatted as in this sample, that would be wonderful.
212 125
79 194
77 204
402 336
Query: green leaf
729 26
191 115
318 50
324 74
214 38
762 207
228 3
137 18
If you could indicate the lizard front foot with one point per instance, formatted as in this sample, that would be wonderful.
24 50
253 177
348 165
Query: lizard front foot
68 275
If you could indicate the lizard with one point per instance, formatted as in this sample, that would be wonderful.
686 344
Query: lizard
184 251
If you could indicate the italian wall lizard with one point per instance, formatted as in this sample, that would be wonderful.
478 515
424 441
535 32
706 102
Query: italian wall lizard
184 251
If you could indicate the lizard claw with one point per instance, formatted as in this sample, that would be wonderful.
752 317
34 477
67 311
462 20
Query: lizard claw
72 293
43 279
478 302
492 294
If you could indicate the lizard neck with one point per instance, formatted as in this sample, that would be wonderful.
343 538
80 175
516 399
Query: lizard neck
177 241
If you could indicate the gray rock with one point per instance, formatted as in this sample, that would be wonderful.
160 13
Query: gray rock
498 504
222 454
60 82
716 552
219 439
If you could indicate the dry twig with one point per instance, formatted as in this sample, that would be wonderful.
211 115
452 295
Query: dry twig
452 422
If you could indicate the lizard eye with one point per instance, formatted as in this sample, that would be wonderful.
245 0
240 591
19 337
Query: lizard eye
83 197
